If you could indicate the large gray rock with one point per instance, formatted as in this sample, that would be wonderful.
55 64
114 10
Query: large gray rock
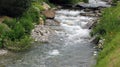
51 22
41 33
49 14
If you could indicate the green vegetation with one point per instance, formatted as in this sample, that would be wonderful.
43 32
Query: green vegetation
114 1
109 29
15 32
66 1
14 8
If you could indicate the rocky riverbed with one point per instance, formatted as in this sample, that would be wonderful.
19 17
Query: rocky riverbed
67 36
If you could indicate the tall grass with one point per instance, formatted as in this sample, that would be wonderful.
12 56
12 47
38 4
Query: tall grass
109 28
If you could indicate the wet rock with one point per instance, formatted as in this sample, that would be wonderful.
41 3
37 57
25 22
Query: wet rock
87 10
41 33
49 14
3 52
88 14
95 39
45 6
59 7
93 24
100 44
51 22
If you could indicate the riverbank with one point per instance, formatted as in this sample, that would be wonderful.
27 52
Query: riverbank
108 29
70 38
16 31
35 16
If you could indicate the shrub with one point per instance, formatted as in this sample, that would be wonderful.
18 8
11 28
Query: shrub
32 14
27 24
37 6
19 45
14 7
114 1
10 22
19 31
4 29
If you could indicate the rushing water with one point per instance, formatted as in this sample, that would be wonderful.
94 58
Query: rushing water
68 47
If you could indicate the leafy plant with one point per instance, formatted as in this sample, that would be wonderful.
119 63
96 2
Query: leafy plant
19 45
27 25
4 29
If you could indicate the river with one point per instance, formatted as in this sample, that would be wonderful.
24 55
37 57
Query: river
70 46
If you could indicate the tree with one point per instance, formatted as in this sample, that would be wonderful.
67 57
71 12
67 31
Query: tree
14 7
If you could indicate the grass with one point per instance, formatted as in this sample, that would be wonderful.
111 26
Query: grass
109 29
110 56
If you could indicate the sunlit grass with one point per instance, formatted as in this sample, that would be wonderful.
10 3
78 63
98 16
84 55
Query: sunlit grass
109 29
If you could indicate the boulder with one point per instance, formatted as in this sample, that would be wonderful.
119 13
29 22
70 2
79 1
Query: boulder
49 14
40 33
87 10
50 22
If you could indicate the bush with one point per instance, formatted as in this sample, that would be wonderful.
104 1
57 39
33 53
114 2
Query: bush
4 29
32 15
27 24
19 31
37 6
14 7
114 1
10 22
19 45
15 32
